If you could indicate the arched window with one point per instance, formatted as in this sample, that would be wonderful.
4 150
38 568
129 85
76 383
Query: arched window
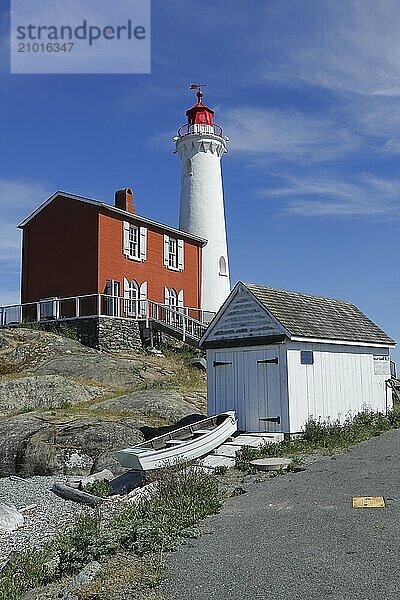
173 299
222 266
131 297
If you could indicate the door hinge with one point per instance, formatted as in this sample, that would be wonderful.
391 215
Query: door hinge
220 363
268 361
271 419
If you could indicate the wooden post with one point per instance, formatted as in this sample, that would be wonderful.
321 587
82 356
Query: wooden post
38 311
77 306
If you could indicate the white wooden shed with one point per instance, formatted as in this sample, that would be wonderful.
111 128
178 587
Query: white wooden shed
279 358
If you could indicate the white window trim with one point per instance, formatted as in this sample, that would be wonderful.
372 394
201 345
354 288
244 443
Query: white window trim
179 253
131 305
141 242
143 298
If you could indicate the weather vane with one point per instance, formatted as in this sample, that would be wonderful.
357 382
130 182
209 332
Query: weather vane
197 86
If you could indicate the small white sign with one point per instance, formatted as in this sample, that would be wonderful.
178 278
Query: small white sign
381 365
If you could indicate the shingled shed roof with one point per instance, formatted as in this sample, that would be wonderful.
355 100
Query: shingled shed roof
304 315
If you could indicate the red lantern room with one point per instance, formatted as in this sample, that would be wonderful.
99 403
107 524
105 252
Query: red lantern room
199 113
200 118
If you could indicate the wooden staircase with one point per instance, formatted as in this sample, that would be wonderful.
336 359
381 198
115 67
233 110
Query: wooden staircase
173 322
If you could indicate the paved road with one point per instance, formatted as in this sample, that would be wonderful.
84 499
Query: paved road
297 537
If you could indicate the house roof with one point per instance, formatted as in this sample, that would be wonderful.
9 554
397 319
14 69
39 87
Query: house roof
304 315
123 213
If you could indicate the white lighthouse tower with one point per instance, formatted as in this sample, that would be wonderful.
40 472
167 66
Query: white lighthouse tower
200 145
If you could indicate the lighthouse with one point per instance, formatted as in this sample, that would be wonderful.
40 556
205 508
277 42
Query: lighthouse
201 144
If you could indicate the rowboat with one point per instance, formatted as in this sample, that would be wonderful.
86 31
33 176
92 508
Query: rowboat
180 445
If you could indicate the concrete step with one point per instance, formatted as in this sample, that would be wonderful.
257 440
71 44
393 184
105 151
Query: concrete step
228 450
225 454
212 461
249 439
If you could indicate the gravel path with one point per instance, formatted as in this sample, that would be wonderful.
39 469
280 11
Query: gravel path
50 517
297 536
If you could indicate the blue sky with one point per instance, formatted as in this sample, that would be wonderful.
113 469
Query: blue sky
308 93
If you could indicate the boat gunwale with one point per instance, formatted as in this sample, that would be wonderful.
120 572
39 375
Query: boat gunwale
148 452
192 427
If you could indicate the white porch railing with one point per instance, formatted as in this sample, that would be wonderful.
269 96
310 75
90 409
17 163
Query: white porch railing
187 321
176 319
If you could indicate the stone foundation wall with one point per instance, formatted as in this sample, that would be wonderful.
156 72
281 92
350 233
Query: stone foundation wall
103 333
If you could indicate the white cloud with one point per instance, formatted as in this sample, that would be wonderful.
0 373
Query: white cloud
17 200
9 241
378 118
349 45
18 197
286 135
366 195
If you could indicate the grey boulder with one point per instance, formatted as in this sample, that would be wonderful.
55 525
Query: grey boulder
31 445
50 391
10 518
168 405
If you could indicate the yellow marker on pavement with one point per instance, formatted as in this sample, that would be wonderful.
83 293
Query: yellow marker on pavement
368 502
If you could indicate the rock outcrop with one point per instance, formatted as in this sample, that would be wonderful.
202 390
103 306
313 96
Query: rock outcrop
168 405
65 408
50 391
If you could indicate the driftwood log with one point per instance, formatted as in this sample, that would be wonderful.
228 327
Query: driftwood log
69 493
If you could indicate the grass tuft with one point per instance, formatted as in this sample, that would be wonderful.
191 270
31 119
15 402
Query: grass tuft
324 436
185 495
101 488
28 570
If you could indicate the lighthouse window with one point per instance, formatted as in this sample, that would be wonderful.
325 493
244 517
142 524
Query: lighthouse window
222 266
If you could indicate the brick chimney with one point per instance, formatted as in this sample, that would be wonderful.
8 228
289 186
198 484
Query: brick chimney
124 200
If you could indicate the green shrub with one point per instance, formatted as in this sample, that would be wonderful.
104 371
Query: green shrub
325 436
86 541
220 470
28 570
184 496
101 488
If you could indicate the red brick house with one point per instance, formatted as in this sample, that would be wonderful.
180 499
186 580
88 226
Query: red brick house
75 246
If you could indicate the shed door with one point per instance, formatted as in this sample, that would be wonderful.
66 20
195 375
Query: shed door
267 410
224 382
248 382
